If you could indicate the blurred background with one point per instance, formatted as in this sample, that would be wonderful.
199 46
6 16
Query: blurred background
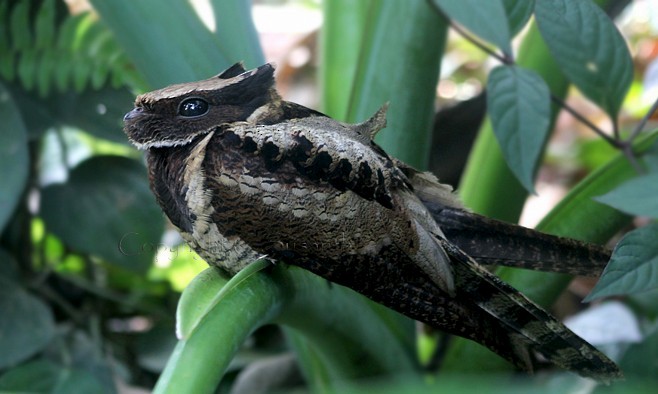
91 271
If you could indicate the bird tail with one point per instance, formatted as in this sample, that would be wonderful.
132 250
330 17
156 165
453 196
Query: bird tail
493 242
529 328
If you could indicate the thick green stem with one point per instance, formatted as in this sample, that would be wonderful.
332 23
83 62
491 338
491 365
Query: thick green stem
342 331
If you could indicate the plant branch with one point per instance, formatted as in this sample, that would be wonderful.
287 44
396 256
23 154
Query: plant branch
643 122
48 293
626 147
627 150
501 58
505 59
612 141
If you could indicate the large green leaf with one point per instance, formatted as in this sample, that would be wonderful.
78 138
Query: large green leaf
27 324
488 185
155 346
236 32
106 209
78 356
20 26
6 62
589 49
633 267
400 63
518 103
45 377
98 112
639 196
178 48
487 19
640 361
14 156
341 37
518 14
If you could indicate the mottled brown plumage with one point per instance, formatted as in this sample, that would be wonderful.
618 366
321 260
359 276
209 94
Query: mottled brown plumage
243 173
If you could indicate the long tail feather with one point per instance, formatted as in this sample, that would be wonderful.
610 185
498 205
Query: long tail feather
532 326
495 242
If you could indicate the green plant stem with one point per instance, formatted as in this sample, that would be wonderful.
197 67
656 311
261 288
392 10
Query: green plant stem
200 359
343 331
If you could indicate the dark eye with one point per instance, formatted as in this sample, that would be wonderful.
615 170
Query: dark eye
192 107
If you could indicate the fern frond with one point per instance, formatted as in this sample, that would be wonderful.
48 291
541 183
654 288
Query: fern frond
44 48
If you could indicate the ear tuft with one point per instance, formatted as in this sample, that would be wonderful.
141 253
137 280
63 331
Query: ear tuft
258 81
233 71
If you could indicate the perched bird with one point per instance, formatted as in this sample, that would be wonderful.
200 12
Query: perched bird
242 173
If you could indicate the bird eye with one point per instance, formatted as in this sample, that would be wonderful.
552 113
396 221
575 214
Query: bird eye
193 107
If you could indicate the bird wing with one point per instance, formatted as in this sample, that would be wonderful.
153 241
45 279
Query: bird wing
320 149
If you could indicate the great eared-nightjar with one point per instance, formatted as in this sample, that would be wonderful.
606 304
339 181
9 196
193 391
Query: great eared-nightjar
242 173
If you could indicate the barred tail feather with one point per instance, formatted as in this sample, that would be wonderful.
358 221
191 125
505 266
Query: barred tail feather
530 328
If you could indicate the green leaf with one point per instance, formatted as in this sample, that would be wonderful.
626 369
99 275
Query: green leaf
34 377
518 102
639 361
400 65
20 25
27 66
650 159
98 112
155 347
14 156
6 61
489 187
46 73
63 51
236 32
639 196
8 266
46 377
633 267
27 324
44 25
518 13
589 49
177 48
106 209
487 181
81 362
486 19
